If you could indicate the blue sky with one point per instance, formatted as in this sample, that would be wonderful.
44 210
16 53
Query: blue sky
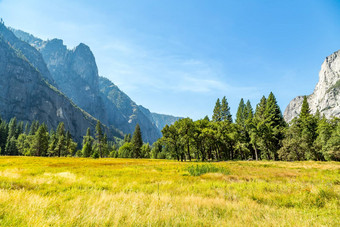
178 57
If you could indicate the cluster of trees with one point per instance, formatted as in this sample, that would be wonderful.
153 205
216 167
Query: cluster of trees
18 138
34 139
259 134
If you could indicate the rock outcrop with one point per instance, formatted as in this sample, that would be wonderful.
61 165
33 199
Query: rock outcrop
26 95
326 95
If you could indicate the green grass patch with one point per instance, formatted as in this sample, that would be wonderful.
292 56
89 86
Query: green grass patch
198 170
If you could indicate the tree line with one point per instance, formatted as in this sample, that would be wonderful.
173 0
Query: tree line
260 134
17 138
254 135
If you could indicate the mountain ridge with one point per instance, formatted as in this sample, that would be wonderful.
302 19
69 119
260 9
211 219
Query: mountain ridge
75 73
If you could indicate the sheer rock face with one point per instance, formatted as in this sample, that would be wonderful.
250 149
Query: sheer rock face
76 74
326 95
25 94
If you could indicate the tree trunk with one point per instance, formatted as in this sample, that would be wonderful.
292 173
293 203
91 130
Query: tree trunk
256 157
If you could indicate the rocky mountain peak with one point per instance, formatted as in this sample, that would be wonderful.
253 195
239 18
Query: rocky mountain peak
84 64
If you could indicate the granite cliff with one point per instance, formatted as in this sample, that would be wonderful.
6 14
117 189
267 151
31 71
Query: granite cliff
326 95
75 73
25 94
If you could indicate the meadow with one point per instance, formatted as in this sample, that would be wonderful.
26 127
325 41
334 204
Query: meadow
37 191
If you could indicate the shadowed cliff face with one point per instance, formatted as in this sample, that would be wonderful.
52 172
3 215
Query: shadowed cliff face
326 95
76 75
26 95
32 55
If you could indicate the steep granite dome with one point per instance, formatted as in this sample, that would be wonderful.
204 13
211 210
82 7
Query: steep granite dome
26 95
326 95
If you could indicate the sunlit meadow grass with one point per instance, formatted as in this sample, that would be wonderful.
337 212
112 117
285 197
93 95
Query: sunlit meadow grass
114 192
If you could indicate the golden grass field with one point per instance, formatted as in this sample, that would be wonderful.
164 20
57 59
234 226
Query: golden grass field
114 192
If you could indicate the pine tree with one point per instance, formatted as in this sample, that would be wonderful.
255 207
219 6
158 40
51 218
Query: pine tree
274 127
87 150
70 144
3 136
240 115
217 111
26 130
99 137
52 143
60 148
34 127
12 127
332 151
87 144
127 138
19 129
273 112
11 147
225 111
105 146
137 142
308 126
305 111
40 142
249 113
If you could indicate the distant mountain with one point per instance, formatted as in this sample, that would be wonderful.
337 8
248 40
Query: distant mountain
130 111
75 73
326 95
26 94
162 119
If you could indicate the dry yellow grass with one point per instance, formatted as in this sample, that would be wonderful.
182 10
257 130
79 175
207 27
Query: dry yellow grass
114 192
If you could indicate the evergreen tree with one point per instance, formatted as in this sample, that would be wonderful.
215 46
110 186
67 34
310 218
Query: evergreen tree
71 146
19 129
26 130
332 151
11 147
3 136
225 111
274 127
34 127
99 137
217 111
308 127
40 142
240 115
137 142
105 146
87 149
60 148
127 138
12 128
87 144
52 143
305 111
249 113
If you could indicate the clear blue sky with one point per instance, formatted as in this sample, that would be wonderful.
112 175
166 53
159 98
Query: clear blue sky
178 57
